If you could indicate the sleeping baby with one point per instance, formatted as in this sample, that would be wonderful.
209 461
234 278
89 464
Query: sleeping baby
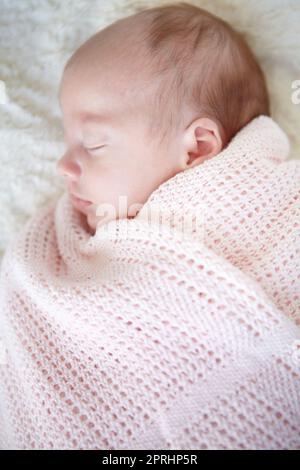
149 96
120 332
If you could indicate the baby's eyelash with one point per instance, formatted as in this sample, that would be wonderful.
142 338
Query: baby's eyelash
90 149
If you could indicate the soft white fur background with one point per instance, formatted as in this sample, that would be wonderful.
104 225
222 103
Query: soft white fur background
38 36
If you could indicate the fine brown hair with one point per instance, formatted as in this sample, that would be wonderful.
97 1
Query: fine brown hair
201 62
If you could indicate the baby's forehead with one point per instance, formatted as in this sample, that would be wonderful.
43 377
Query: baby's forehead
115 62
94 84
108 72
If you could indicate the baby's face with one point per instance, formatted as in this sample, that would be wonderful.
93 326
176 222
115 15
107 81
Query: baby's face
106 98
108 152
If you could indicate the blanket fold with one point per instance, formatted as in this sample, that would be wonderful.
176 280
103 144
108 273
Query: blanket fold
178 329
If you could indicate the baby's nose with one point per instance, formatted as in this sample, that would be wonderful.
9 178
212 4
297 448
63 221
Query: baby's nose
69 168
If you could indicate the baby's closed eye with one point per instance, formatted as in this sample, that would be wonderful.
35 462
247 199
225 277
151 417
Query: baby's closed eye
96 148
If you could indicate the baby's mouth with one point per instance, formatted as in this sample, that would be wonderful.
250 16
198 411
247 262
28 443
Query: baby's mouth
80 203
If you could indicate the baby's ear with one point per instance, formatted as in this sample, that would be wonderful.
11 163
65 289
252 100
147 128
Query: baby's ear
202 140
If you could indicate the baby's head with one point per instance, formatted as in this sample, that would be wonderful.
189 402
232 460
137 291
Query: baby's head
149 96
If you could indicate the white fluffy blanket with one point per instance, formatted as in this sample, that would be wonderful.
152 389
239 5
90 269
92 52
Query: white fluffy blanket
38 36
180 331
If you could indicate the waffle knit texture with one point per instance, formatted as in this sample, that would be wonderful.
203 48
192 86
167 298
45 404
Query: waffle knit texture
177 332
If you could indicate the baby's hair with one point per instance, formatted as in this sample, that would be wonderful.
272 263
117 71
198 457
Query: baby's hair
201 62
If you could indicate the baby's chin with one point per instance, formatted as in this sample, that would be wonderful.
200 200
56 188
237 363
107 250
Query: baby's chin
92 221
88 226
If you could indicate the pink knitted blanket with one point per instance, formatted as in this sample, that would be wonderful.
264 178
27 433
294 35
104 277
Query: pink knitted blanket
174 332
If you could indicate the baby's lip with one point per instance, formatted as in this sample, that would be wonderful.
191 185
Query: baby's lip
80 198
73 193
78 201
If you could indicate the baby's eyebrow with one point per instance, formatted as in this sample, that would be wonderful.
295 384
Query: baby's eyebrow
96 118
91 117
95 123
